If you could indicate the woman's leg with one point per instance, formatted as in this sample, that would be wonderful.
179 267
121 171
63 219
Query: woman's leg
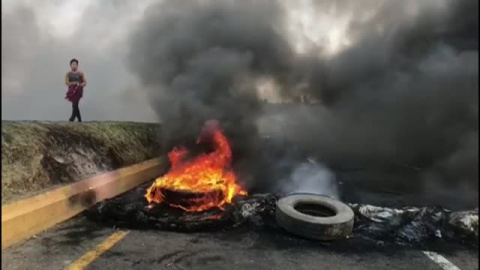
74 112
79 117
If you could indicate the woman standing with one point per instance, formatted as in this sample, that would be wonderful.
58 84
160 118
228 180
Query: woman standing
75 80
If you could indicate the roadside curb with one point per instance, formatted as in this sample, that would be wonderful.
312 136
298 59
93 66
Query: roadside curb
24 218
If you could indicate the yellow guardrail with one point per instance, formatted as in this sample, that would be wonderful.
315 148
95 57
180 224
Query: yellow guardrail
25 218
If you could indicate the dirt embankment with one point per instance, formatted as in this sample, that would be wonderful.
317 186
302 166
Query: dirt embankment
41 155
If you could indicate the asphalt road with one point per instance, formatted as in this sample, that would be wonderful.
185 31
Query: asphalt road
80 241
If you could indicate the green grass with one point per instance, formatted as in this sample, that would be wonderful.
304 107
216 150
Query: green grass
41 155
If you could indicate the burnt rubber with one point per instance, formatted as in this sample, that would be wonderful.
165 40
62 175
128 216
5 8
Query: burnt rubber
337 226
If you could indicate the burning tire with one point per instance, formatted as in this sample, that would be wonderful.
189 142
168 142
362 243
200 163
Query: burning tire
315 217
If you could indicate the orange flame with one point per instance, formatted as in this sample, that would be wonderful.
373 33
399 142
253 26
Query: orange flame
207 174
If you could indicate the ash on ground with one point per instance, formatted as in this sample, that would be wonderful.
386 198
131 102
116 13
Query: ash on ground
381 225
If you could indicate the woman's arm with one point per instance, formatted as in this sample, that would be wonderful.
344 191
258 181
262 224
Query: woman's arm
67 80
84 81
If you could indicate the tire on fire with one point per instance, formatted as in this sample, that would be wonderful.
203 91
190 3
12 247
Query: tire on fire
315 217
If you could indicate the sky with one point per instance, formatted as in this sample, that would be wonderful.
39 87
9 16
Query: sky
38 41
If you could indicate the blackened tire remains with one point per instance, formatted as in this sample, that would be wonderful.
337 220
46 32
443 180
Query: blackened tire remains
338 225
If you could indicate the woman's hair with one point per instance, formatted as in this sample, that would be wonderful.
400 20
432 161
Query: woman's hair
73 60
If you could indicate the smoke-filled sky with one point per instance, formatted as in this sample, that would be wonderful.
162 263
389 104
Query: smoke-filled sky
398 80
39 40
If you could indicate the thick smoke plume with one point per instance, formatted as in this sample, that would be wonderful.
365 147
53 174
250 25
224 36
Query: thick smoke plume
201 59
398 85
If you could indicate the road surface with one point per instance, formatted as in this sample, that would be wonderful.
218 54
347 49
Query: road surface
82 244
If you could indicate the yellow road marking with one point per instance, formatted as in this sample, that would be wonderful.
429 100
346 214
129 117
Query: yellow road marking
93 254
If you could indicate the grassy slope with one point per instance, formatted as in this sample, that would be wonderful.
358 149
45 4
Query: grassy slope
40 155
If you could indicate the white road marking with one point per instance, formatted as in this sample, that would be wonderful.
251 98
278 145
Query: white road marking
441 261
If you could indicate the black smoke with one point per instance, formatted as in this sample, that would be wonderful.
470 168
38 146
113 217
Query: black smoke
200 61
404 91
407 93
